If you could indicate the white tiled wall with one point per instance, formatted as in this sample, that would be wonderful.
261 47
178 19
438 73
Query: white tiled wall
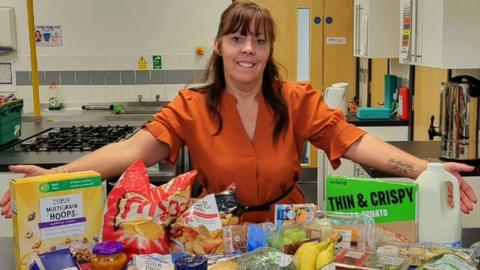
114 37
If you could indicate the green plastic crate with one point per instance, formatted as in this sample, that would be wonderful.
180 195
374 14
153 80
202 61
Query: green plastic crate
10 120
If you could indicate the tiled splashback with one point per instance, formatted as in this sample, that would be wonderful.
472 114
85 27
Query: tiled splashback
110 77
90 79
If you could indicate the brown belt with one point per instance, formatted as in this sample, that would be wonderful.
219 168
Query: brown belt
266 206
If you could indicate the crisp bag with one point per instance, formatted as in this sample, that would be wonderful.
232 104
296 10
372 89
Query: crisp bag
199 230
137 213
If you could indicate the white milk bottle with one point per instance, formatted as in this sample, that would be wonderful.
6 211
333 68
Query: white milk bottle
438 223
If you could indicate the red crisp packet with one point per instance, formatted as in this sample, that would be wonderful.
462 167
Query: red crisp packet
138 212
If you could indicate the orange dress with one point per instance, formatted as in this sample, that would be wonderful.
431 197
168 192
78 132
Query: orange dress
261 170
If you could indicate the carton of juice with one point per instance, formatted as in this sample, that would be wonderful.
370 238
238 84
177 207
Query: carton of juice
286 214
56 211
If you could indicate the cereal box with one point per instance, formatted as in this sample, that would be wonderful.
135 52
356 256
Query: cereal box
291 213
56 211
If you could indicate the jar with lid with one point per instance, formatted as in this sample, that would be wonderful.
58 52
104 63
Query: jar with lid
108 256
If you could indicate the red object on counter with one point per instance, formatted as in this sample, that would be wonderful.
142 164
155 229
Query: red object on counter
403 103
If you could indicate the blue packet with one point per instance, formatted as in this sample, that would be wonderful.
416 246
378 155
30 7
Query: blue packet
55 260
256 237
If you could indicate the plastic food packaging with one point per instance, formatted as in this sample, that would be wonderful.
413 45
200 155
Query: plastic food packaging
223 262
58 259
357 230
357 259
267 259
447 261
235 238
246 237
137 213
419 254
151 262
289 238
191 263
286 214
199 230
108 256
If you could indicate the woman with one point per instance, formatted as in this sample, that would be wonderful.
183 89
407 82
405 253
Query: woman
248 126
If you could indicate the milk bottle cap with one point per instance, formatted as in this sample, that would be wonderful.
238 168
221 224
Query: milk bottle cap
435 166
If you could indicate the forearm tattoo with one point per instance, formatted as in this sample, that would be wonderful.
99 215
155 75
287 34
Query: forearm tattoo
400 167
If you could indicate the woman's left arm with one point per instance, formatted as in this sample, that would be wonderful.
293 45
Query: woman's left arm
370 151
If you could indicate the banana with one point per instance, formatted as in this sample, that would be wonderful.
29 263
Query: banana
325 256
307 254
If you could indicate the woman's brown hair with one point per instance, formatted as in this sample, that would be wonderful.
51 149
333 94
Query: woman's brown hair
238 17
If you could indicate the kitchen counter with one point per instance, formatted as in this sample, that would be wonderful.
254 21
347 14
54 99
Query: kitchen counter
469 236
429 150
352 118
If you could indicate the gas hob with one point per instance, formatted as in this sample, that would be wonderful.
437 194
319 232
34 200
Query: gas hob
75 138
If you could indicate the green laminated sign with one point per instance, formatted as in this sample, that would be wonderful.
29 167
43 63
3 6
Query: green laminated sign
157 62
385 201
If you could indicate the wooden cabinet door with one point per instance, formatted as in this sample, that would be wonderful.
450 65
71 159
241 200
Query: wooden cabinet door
426 101
286 16
339 64
330 62
285 48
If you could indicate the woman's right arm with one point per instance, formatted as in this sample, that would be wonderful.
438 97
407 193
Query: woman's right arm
110 160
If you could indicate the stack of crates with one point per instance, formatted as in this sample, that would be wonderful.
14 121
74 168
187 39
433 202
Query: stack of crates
10 120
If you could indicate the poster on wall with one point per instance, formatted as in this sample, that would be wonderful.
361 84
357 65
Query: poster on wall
48 35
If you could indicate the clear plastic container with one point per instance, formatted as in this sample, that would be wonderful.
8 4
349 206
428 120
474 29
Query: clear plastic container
108 256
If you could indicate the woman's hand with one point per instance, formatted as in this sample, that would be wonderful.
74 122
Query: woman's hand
28 170
467 194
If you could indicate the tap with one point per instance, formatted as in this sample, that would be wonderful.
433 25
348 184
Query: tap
432 132
157 98
140 97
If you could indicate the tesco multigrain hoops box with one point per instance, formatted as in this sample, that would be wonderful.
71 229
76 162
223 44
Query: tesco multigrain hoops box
56 211
392 204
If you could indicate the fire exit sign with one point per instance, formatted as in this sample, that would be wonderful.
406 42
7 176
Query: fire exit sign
157 62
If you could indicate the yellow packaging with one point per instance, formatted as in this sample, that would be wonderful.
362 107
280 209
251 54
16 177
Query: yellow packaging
56 211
